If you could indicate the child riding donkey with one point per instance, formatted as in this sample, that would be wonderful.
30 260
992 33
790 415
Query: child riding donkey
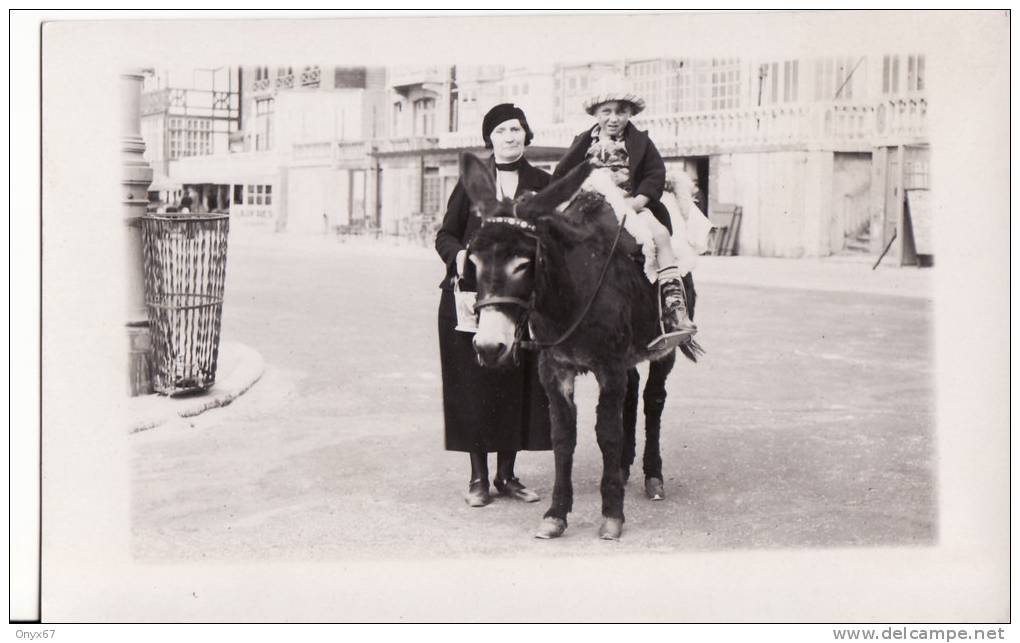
637 168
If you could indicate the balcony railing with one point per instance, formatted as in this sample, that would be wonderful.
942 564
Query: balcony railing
261 85
321 152
285 81
818 125
825 126
310 77
190 102
408 144
902 119
407 76
317 151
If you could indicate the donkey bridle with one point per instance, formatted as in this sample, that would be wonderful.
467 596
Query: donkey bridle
528 306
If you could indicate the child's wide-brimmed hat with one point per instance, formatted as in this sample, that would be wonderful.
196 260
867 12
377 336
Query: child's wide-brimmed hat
593 102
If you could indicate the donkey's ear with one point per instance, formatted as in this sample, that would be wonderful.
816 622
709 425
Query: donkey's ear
563 231
477 182
561 190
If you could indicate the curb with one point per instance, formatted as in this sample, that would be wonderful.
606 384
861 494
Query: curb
240 367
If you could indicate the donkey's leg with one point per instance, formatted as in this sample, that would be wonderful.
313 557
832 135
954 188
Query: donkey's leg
609 431
558 383
630 402
655 401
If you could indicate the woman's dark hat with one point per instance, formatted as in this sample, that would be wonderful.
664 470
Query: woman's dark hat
499 114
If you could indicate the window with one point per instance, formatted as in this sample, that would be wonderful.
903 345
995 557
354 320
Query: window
256 194
849 79
189 137
398 109
895 75
838 78
915 73
725 84
424 117
454 111
790 81
431 199
264 124
358 194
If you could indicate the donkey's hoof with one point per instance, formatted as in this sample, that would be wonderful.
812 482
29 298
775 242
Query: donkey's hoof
611 529
551 528
653 489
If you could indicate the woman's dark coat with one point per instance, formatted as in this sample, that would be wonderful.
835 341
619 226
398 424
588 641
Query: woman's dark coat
647 170
485 410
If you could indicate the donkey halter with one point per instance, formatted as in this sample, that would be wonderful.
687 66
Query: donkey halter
532 232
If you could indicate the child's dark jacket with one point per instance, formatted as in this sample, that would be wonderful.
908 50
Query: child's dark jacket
647 170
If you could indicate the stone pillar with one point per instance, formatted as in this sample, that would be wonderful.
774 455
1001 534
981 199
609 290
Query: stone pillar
136 175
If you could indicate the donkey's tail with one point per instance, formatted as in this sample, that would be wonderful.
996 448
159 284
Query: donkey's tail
692 350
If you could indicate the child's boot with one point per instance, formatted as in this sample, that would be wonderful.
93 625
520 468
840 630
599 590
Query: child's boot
676 326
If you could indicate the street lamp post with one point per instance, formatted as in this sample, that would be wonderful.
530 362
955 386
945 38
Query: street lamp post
136 175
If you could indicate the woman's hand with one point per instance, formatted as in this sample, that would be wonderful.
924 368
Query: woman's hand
461 262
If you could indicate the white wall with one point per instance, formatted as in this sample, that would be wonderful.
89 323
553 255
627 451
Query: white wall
398 198
312 192
314 116
786 198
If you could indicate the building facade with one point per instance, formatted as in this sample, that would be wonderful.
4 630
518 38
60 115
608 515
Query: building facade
816 150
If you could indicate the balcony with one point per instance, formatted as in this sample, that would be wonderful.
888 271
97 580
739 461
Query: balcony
837 126
829 126
311 76
407 144
330 152
262 86
191 102
901 121
404 79
284 81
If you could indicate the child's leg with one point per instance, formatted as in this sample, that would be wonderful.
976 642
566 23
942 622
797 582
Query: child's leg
686 255
664 255
676 326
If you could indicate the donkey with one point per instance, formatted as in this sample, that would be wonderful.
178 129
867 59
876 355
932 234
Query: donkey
569 273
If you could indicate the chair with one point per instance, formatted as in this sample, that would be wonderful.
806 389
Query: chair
723 238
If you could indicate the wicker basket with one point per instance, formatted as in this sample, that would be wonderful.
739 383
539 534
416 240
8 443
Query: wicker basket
185 260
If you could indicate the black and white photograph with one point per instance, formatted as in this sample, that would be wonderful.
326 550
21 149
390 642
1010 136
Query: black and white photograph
515 317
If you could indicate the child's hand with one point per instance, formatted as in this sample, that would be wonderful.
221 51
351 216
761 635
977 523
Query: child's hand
637 203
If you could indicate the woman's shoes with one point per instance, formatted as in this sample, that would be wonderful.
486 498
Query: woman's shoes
478 493
513 488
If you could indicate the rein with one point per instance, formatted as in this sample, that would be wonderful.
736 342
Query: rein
529 306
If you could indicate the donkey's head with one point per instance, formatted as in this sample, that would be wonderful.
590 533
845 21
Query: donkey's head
505 252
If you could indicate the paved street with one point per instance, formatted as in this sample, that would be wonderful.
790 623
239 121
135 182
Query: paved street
809 423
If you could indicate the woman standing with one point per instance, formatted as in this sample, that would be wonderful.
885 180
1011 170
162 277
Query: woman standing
486 410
